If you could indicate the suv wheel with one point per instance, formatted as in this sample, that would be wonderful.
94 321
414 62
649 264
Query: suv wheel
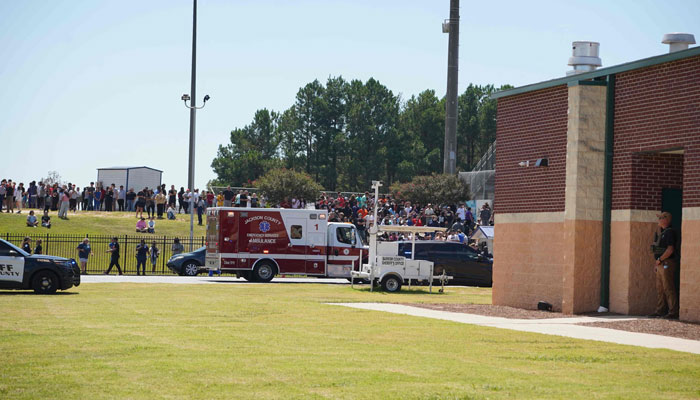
45 282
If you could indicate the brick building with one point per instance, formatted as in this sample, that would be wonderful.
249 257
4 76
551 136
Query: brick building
576 233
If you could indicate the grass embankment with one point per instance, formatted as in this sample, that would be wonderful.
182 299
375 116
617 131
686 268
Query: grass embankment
230 341
97 223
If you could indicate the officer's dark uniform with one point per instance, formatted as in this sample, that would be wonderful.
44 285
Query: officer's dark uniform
114 259
667 295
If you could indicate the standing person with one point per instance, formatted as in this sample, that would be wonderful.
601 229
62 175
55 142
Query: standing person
91 196
210 198
177 247
141 257
109 199
130 199
228 196
84 198
65 203
254 200
114 259
140 203
160 203
3 192
19 195
40 194
48 199
180 199
666 267
32 191
485 214
155 252
186 201
74 194
9 197
201 206
121 197
98 199
150 203
27 245
38 249
172 196
84 252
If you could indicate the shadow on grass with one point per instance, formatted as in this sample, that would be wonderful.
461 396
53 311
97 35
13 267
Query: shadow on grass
29 293
278 282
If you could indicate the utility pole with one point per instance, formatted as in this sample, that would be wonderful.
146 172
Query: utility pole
193 115
451 26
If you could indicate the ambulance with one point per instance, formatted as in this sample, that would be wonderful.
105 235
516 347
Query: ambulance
259 243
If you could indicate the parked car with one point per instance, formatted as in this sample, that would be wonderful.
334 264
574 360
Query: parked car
188 264
466 265
42 273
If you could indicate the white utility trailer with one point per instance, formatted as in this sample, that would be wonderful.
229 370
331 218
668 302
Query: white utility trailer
391 271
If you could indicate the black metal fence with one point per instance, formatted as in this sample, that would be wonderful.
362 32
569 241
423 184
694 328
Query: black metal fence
65 246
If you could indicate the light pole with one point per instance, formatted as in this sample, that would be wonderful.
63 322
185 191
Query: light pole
193 111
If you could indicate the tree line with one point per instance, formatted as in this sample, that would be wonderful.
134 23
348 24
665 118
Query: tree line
345 134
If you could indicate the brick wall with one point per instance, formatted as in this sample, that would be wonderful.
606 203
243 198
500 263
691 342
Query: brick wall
531 126
657 108
639 188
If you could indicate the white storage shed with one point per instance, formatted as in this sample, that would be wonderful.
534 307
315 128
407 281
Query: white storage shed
130 177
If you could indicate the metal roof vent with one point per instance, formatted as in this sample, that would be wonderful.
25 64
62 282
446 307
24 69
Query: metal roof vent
584 57
678 41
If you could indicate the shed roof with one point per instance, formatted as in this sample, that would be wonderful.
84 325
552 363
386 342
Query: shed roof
125 168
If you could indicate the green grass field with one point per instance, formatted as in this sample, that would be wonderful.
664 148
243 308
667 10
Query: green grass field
97 223
280 341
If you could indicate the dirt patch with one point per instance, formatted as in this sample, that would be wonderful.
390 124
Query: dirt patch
678 329
491 310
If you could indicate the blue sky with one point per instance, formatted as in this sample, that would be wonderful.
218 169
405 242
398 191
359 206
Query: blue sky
90 84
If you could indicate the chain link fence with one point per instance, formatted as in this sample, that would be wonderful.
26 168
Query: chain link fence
66 246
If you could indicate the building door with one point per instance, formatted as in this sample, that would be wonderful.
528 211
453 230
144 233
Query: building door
672 201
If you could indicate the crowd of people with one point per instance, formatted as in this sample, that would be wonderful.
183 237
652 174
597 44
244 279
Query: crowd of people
459 220
157 203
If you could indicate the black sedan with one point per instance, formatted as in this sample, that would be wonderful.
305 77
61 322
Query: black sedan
188 264
466 265
44 274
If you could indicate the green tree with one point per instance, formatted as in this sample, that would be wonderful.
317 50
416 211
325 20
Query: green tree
281 183
372 131
309 110
421 136
435 189
251 152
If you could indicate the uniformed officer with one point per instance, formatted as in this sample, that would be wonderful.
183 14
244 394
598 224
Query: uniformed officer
666 267
114 258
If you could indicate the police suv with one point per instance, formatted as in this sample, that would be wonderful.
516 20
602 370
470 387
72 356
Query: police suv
44 274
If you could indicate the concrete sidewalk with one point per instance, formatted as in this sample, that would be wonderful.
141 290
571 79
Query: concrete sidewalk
551 326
